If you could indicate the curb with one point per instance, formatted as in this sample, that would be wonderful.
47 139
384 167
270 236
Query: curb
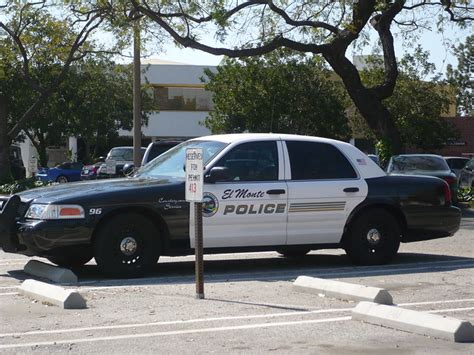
415 322
56 295
342 290
50 272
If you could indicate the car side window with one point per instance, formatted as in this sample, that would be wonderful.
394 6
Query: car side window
318 161
254 161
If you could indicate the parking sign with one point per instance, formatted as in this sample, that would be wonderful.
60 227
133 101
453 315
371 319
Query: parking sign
194 175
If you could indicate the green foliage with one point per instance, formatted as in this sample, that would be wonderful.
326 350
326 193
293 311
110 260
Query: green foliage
280 92
462 77
384 150
466 194
416 105
21 185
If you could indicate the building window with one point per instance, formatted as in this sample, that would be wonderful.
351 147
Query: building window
170 98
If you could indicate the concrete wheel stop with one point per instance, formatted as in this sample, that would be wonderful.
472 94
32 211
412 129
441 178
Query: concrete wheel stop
423 323
55 295
342 290
50 272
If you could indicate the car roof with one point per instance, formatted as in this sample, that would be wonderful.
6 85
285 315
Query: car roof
420 155
125 147
234 137
463 158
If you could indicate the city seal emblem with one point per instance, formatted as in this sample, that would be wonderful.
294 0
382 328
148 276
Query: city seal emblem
210 205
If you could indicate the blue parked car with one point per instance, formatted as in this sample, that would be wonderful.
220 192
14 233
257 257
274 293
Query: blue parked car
61 173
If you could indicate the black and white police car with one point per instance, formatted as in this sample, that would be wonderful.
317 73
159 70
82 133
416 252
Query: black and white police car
262 192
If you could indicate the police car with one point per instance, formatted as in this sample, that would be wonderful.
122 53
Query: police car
262 192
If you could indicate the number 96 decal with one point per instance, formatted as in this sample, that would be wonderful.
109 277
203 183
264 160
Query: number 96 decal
95 211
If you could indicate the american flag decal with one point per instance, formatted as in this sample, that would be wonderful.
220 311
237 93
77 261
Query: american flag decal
361 162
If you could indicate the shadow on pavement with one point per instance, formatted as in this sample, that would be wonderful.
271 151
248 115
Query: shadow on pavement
272 269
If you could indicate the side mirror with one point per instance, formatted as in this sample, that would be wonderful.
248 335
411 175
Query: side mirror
128 169
217 173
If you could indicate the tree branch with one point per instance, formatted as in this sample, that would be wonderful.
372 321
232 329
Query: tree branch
381 24
187 41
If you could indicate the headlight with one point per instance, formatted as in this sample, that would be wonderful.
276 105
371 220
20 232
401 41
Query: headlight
37 211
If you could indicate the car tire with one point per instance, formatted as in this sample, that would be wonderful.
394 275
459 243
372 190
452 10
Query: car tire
293 253
127 245
62 179
373 238
71 260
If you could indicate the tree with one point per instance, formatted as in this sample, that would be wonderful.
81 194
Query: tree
31 38
416 105
462 78
327 28
279 92
93 102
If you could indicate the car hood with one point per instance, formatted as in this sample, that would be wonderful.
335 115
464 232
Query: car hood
80 190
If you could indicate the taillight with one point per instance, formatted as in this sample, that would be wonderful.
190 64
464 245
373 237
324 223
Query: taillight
447 194
450 180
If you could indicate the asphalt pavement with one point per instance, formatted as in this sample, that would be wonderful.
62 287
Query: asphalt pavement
250 304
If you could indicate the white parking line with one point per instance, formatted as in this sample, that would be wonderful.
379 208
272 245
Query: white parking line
8 293
178 332
189 321
202 320
451 310
436 302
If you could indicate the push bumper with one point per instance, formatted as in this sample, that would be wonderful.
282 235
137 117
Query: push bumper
430 223
8 237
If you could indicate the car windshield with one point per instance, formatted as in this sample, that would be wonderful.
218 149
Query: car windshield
172 162
124 154
417 163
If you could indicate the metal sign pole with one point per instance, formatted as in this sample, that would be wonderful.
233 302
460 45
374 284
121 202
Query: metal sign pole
198 247
194 193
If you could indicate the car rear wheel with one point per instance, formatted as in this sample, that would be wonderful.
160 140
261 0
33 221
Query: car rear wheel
373 238
62 179
127 245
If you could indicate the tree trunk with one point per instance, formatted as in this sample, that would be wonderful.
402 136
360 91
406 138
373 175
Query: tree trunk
378 118
5 172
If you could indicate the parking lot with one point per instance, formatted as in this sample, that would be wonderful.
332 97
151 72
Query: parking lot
250 306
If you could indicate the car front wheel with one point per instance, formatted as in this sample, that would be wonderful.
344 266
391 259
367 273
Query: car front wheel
62 179
373 238
127 245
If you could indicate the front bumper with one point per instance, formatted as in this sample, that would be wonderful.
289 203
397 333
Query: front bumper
39 237
424 223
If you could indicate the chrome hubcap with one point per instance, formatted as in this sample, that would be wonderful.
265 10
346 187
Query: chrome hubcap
128 246
373 236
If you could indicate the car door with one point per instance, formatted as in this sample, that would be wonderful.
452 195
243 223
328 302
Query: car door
250 207
323 188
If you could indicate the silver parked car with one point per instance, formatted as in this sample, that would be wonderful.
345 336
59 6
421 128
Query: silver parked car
466 178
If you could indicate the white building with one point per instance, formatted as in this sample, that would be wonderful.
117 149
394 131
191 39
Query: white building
179 94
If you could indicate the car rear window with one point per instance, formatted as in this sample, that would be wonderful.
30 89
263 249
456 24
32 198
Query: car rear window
158 149
411 163
318 161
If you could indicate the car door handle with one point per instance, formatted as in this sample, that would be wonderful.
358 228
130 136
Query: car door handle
351 189
276 192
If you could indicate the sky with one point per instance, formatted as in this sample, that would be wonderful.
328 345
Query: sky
437 44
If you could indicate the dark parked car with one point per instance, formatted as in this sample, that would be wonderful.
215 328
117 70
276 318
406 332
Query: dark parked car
61 173
153 150
456 164
467 175
424 164
16 163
